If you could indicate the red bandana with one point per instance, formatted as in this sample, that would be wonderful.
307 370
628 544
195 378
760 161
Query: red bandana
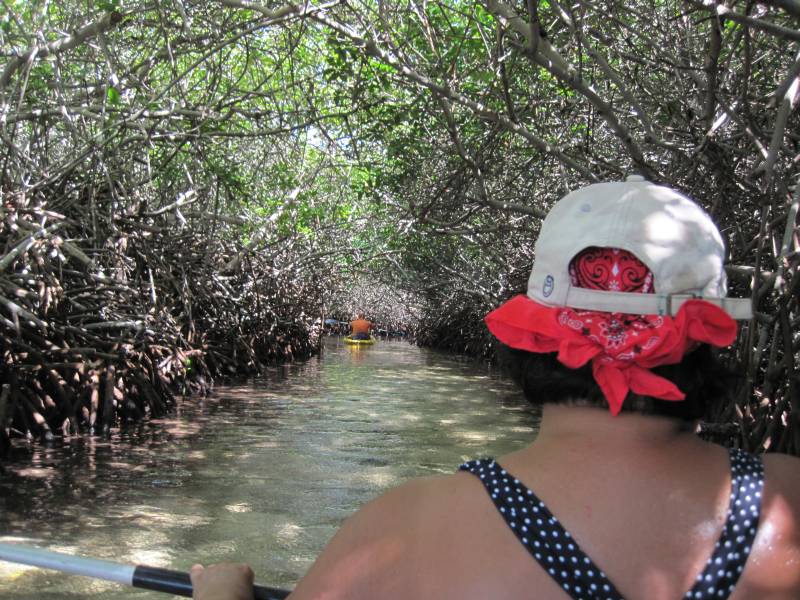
622 347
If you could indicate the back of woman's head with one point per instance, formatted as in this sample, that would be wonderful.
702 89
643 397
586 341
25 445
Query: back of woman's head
627 294
701 375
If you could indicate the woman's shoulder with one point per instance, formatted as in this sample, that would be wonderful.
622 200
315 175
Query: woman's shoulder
785 467
401 525
782 487
777 545
418 500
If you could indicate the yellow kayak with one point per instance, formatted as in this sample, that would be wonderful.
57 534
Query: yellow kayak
350 340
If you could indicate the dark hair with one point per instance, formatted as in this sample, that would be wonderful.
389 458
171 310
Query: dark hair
544 380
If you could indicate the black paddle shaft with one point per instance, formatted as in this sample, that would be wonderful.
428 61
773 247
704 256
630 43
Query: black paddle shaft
179 584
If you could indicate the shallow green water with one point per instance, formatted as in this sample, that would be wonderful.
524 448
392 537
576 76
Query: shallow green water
262 473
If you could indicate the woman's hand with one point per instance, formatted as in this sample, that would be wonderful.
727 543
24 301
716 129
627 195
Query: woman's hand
226 581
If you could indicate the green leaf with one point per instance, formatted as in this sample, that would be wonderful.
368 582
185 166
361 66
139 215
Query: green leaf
113 95
109 5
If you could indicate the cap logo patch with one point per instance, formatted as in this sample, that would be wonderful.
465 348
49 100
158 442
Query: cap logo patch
547 288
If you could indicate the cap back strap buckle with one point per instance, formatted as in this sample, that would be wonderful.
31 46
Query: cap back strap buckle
649 304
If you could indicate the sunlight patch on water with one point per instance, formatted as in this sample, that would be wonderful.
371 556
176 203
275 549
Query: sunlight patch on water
290 531
11 571
36 472
152 558
17 539
268 444
474 436
146 516
380 479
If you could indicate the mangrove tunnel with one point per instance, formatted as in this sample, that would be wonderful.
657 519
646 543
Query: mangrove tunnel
193 192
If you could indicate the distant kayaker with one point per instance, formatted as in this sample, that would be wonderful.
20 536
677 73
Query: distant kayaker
616 497
360 328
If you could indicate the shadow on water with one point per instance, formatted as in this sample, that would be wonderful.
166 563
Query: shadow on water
262 473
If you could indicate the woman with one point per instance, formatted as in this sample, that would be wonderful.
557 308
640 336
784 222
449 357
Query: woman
616 497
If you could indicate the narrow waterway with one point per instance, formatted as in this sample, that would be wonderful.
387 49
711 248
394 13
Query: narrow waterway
262 473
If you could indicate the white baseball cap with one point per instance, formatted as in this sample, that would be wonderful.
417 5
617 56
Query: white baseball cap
665 230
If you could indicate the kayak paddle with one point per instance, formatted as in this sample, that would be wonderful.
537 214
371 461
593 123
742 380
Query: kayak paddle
140 576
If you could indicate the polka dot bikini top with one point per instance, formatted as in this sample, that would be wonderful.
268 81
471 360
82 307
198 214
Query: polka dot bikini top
560 556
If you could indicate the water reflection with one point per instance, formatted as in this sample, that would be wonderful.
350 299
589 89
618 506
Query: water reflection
263 472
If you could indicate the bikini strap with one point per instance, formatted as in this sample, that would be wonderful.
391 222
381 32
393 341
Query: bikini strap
543 536
723 569
559 555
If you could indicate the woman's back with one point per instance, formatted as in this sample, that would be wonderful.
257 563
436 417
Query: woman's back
626 299
644 500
